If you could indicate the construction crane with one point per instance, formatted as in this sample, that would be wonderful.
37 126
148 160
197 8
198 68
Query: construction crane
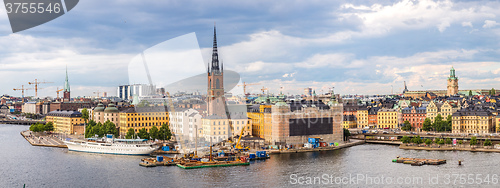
263 89
245 87
97 92
36 83
22 90
57 91
238 146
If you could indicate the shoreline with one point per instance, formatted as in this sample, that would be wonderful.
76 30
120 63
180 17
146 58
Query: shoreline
329 148
31 140
477 149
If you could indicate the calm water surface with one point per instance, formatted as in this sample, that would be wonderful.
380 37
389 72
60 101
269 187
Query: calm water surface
22 164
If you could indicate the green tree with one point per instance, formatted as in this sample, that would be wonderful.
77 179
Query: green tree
143 133
406 126
428 142
493 91
448 141
473 141
153 132
164 133
49 126
470 92
436 140
427 125
85 115
347 134
405 139
110 128
417 140
460 142
447 124
438 123
440 142
487 142
130 134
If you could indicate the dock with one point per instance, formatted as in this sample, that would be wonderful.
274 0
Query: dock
328 148
43 140
419 162
191 165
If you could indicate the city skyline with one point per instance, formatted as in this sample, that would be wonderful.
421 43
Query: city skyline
353 47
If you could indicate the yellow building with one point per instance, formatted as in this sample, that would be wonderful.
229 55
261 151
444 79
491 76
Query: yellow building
497 120
362 118
261 120
471 120
445 109
218 128
349 122
387 118
66 121
143 117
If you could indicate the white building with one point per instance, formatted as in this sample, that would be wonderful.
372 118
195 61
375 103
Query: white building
127 92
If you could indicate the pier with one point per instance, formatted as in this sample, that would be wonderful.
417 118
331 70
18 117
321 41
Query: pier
43 140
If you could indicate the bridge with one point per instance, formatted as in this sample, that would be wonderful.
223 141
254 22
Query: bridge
20 122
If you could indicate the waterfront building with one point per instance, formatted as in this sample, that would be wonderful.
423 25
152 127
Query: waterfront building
142 117
69 106
349 122
473 120
215 91
183 123
362 117
414 115
295 122
387 118
219 128
372 116
445 109
31 107
69 122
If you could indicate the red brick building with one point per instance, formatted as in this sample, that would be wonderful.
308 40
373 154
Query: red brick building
415 116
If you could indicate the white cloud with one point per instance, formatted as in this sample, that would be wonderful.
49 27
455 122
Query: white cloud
490 24
467 24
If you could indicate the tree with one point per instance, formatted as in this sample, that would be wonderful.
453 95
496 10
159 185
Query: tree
85 115
493 91
460 142
347 134
153 133
447 125
164 133
427 125
417 140
440 142
110 128
473 141
406 126
143 133
405 139
487 142
470 92
438 123
448 141
428 142
130 134
436 140
49 126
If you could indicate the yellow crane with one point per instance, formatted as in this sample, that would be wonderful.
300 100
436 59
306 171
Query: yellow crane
245 86
238 146
22 90
36 83
264 89
57 91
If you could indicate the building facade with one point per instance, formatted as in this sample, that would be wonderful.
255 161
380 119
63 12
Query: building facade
414 115
387 118
362 117
66 121
452 84
473 120
142 117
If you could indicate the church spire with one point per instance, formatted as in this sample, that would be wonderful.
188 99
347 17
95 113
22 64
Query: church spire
66 82
215 55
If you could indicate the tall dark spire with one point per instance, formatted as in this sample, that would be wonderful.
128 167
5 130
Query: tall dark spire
215 55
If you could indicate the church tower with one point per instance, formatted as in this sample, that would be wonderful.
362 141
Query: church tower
452 83
66 92
215 92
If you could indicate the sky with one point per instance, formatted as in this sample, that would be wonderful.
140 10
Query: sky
357 47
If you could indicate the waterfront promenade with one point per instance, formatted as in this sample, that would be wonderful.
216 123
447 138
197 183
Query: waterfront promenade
449 148
49 140
329 148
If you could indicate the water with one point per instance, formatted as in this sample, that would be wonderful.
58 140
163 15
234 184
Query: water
56 167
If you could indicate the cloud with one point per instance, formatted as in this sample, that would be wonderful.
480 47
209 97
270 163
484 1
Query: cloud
490 24
467 24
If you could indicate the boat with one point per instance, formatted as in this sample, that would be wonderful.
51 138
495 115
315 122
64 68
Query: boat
112 146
